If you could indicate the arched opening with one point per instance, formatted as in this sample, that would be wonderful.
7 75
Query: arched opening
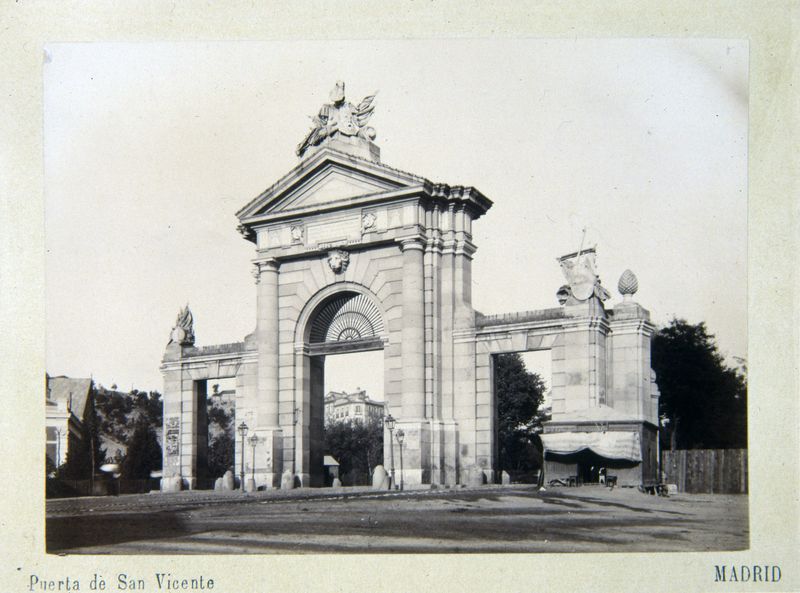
354 410
344 358
221 426
522 382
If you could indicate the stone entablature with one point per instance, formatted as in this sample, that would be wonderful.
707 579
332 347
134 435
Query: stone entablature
395 204
505 319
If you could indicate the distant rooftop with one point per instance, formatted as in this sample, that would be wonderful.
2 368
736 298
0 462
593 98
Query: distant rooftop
69 393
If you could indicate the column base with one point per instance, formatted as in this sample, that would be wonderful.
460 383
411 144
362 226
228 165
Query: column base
414 459
269 457
444 452
171 484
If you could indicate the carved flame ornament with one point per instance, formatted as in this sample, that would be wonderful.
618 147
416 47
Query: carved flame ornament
183 332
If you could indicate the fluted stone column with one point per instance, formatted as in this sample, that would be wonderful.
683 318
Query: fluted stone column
268 428
413 333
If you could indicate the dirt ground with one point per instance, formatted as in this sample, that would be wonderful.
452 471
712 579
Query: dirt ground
488 519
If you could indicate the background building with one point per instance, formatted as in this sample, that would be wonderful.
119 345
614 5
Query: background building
66 402
341 407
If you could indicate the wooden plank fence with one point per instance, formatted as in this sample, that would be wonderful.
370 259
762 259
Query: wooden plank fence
709 471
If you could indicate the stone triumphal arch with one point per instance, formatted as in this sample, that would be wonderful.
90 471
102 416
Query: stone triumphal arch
353 255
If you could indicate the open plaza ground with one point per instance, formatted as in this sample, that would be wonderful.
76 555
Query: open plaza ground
488 519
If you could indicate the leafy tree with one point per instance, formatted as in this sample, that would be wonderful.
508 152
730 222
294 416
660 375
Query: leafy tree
144 452
519 393
155 409
221 437
357 446
221 417
220 454
703 401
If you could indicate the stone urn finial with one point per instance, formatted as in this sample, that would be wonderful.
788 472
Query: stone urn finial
628 285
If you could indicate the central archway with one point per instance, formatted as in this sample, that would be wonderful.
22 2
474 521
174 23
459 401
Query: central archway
341 319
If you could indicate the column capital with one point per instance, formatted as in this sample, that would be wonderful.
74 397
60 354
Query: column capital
262 266
413 242
465 247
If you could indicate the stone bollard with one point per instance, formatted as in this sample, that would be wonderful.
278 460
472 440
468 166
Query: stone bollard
287 480
228 483
378 478
218 485
505 479
250 485
337 483
174 484
475 476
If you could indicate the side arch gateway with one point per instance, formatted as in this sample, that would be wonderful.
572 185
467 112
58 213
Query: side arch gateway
350 254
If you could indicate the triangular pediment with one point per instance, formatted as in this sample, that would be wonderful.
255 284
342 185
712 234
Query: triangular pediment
332 184
328 177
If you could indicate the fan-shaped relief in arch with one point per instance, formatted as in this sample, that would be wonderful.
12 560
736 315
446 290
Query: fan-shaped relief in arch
350 316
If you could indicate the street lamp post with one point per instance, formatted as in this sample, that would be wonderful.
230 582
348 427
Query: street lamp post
242 430
400 436
295 420
253 440
389 421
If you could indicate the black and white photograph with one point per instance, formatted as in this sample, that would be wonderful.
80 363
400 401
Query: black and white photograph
481 299
317 305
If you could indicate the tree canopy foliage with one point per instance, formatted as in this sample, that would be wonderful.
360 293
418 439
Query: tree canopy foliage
357 446
703 401
144 452
220 454
518 393
120 412
221 445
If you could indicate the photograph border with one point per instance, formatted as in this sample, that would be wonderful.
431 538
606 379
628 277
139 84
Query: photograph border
772 288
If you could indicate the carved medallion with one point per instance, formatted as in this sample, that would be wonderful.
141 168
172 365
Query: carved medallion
338 260
368 221
297 233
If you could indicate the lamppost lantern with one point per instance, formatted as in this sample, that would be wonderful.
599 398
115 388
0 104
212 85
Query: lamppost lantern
389 421
242 430
400 436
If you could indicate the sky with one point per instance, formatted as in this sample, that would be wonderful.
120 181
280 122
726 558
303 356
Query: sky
151 148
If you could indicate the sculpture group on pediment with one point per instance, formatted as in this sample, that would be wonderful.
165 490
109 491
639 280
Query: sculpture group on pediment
339 117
